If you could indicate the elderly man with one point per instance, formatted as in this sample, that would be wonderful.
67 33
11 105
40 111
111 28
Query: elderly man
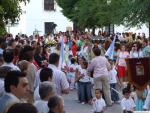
46 90
99 66
16 86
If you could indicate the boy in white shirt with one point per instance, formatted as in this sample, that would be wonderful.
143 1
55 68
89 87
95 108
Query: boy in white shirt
99 104
127 103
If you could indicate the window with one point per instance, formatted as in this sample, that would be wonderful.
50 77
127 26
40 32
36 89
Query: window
48 5
49 27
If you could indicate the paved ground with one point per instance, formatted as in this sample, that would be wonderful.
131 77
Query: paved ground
72 105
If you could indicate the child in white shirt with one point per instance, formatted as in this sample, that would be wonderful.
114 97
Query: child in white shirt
71 74
127 103
113 80
99 104
84 83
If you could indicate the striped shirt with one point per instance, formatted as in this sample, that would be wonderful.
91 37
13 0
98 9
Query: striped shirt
59 79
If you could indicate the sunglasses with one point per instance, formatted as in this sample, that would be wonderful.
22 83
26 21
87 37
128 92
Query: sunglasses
134 46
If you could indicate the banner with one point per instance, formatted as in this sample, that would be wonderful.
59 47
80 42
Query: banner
139 71
110 51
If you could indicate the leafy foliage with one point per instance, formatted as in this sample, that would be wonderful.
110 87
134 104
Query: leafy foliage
138 12
97 13
10 12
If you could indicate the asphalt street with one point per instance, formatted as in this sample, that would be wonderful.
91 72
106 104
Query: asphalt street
73 106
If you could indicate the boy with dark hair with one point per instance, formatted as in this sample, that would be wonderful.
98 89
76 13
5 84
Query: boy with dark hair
8 56
11 44
46 74
127 103
99 104
54 59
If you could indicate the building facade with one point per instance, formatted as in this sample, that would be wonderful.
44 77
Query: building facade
41 16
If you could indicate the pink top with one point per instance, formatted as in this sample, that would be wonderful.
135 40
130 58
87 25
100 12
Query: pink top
122 56
100 66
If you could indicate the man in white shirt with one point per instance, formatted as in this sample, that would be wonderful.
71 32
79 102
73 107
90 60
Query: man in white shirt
60 79
16 86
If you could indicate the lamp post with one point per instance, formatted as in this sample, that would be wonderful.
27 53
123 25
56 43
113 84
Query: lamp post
75 27
110 26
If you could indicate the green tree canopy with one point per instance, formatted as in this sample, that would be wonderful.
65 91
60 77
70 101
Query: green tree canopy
10 11
91 13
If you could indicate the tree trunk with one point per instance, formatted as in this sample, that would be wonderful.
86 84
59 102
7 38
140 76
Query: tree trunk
93 31
75 29
2 27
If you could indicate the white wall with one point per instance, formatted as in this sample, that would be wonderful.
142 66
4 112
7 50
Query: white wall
35 17
143 29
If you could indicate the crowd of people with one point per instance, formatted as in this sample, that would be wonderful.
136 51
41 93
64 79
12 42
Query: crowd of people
33 79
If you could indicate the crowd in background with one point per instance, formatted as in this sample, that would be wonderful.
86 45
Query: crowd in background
30 73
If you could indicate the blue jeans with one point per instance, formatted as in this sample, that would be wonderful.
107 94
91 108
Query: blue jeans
84 91
114 95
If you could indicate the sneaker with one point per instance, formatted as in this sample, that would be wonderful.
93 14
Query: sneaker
71 89
82 102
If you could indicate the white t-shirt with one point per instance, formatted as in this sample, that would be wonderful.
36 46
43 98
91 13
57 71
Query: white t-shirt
73 68
85 78
60 79
98 104
41 106
136 54
36 94
122 56
79 68
128 104
113 76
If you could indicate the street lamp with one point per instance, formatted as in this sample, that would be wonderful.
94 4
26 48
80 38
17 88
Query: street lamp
110 26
